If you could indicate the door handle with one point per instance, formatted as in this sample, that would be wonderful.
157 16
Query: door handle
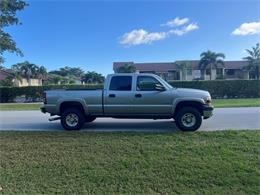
112 95
138 95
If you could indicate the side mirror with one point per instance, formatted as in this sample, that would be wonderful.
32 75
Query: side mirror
159 87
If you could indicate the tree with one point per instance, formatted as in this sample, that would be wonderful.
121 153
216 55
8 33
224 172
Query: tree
7 82
183 66
29 70
75 72
92 77
125 69
8 9
253 61
210 59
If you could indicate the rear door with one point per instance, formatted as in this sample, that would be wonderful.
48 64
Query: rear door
118 97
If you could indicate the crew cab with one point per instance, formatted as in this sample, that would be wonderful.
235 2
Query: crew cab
129 95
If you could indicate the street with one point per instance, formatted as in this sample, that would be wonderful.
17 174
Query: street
223 118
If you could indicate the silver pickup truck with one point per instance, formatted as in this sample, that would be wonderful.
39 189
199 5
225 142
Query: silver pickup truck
129 96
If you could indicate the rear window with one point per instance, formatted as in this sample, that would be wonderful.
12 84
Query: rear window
121 83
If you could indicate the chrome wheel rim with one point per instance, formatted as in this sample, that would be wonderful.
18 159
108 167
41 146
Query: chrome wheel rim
188 120
72 120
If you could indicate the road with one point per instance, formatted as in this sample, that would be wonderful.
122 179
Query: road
224 118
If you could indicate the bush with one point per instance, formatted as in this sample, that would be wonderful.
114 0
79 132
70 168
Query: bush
224 88
35 93
217 89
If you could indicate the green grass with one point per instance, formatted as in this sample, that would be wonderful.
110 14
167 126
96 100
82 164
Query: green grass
20 106
218 103
225 162
247 102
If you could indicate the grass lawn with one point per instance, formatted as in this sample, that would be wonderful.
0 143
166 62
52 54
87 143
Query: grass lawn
20 106
225 162
225 103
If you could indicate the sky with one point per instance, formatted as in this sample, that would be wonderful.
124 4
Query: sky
94 34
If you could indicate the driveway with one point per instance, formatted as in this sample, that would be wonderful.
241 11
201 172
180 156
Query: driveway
224 118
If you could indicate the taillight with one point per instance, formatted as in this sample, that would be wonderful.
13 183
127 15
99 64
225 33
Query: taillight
44 98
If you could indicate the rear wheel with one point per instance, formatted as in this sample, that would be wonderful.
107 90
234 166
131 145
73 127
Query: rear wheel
72 119
188 119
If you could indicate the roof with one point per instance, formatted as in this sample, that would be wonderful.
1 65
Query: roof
168 66
4 74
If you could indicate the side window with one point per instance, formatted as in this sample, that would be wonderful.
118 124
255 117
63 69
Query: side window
121 83
146 83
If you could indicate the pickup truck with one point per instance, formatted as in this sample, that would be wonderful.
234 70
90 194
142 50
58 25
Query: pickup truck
129 95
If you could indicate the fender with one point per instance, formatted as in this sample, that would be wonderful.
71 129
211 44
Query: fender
78 100
185 99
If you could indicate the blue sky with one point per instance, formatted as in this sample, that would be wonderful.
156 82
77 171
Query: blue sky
92 35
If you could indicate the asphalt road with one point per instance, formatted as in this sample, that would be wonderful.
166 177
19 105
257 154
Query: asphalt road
223 118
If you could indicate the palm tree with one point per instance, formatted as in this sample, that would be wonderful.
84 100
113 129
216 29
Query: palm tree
210 59
92 77
26 69
253 61
183 66
125 69
41 72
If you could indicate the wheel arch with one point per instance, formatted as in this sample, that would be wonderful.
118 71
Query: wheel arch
195 103
63 105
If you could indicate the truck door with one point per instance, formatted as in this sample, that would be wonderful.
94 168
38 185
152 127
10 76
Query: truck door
151 101
118 97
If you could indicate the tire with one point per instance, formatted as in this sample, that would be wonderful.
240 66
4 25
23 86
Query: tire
89 119
188 119
72 119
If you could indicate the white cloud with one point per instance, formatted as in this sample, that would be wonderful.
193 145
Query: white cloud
137 37
176 22
247 29
184 30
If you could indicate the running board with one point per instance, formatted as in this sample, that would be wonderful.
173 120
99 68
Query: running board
55 118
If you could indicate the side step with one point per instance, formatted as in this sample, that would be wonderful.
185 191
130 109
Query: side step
55 118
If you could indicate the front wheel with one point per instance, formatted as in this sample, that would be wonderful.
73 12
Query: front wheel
188 119
72 119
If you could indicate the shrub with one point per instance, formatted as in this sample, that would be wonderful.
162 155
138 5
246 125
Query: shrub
217 89
224 88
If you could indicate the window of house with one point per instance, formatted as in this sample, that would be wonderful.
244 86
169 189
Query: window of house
121 83
146 83
230 72
219 70
189 71
207 71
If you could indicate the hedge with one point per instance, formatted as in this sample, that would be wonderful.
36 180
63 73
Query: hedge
217 89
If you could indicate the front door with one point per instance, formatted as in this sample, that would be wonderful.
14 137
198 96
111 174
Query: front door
149 101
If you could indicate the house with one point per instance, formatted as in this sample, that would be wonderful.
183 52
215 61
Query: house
171 70
20 82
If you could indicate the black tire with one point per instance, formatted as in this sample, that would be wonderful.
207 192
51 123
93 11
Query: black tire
77 124
188 119
90 119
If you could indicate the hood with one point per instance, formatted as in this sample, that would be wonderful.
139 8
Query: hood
192 92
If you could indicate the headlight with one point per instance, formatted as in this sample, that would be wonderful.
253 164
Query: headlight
207 100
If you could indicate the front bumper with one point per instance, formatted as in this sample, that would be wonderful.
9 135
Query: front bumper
207 111
43 110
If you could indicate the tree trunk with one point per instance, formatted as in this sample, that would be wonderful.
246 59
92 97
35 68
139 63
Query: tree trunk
210 71
202 74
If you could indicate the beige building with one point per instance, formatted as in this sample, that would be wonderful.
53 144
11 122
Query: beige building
20 83
170 70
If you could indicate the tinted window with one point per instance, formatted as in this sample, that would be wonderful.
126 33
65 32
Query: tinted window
146 83
121 83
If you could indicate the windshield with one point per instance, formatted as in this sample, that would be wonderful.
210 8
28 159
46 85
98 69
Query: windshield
164 82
